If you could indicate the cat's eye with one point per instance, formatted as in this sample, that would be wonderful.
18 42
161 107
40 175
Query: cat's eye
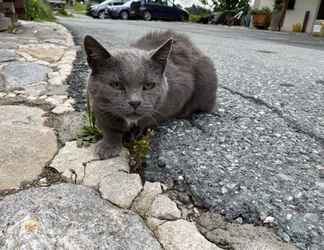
117 85
148 85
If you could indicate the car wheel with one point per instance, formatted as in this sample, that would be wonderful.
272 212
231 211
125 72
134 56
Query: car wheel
124 15
101 15
183 18
147 16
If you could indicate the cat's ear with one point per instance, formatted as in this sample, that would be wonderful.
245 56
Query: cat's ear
96 53
162 53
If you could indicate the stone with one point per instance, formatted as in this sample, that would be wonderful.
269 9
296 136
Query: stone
71 161
64 107
143 202
96 171
48 54
53 74
21 74
56 99
154 223
56 81
269 220
2 82
164 208
65 69
68 216
181 234
26 145
5 22
121 188
239 237
11 95
70 125
36 89
321 171
7 55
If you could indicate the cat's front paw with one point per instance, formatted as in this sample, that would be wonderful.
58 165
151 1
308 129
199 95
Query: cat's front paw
106 151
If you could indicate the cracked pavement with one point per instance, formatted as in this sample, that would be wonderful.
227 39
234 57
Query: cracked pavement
259 157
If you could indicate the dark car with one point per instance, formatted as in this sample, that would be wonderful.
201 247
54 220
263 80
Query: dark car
148 10
162 9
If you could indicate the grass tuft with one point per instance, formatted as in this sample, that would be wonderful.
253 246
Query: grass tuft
138 148
90 133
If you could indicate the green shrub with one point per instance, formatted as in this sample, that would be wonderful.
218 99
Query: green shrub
38 10
78 7
62 12
263 11
194 18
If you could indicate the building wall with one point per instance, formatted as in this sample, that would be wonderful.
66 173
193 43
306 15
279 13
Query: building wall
263 3
297 15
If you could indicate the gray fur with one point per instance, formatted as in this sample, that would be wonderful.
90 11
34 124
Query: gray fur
120 84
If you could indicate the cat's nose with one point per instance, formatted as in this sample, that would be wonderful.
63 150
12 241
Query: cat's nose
134 104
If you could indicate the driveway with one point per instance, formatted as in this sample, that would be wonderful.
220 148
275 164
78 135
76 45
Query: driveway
259 158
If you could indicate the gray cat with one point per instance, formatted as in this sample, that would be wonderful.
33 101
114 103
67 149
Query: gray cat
161 76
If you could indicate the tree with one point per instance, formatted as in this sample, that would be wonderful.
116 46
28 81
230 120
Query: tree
197 10
228 5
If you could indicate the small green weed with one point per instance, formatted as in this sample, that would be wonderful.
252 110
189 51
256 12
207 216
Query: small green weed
140 147
90 133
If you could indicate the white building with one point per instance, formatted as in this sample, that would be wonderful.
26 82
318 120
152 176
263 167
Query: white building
297 12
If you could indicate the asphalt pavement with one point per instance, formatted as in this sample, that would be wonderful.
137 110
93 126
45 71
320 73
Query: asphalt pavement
260 155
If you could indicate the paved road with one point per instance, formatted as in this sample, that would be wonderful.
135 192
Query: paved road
261 153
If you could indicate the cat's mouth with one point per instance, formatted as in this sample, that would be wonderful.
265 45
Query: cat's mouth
132 119
134 116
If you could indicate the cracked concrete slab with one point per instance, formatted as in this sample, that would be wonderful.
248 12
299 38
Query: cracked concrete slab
238 161
239 237
7 55
68 216
143 202
26 145
163 208
21 74
50 54
71 161
181 234
121 188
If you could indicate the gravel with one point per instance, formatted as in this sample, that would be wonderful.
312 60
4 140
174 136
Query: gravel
245 162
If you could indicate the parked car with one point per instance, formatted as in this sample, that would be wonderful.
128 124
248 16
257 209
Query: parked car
125 11
149 10
56 4
100 10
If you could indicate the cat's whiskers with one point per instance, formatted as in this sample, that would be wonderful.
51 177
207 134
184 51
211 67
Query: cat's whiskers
155 112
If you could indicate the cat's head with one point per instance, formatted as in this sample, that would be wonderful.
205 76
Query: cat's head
129 83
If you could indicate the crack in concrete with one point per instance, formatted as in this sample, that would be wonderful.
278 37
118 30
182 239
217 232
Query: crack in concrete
290 123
